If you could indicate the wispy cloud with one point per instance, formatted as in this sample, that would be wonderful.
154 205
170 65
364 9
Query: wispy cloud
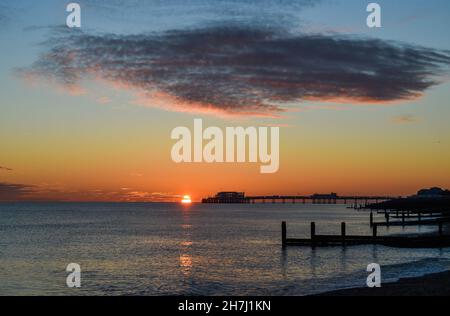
104 100
13 192
405 119
243 70
5 168
57 192
179 12
136 174
144 196
3 14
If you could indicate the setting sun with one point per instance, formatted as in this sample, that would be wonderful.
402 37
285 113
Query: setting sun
186 199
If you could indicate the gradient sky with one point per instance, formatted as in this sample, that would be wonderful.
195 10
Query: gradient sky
87 114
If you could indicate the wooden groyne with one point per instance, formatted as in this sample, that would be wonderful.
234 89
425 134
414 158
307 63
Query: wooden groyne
404 218
425 241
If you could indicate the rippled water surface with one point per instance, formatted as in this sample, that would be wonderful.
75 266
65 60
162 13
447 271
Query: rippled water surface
169 249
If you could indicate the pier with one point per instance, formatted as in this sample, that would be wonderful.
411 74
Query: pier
332 198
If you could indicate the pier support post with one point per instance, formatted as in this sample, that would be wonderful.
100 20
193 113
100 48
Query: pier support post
371 219
283 234
374 228
343 232
440 229
313 230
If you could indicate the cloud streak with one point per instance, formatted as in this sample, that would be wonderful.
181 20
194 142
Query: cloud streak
47 192
3 15
14 192
180 12
405 119
243 70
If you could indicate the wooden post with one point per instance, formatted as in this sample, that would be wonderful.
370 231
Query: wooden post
343 232
283 234
403 217
374 230
420 217
440 229
313 230
371 219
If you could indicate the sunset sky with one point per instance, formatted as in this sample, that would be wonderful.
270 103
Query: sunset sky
86 114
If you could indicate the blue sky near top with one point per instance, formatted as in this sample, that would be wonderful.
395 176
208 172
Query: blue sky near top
28 23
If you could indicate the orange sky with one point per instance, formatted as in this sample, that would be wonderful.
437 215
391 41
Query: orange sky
88 115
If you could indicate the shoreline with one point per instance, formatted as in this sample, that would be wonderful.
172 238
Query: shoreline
434 284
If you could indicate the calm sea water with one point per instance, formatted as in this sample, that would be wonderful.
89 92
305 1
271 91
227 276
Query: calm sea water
168 249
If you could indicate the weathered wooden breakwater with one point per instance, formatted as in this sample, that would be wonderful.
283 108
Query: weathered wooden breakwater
425 241
409 218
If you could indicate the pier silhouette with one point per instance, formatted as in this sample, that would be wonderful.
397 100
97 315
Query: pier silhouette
332 198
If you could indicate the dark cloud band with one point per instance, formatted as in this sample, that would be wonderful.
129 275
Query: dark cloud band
14 192
239 69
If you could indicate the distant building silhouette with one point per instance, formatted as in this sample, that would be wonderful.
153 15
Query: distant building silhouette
433 192
227 198
324 196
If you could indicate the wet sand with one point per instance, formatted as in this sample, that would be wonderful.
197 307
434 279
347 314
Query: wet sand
437 284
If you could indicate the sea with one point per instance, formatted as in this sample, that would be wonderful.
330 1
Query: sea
198 249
